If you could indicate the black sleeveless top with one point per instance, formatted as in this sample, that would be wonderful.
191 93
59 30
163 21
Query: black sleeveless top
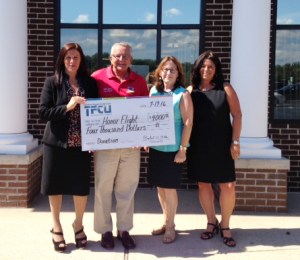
209 158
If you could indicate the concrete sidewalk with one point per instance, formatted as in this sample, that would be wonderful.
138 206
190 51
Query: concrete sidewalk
24 233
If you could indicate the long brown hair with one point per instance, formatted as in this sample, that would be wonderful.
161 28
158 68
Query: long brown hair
180 79
60 65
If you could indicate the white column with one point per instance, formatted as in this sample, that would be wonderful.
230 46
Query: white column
14 138
250 74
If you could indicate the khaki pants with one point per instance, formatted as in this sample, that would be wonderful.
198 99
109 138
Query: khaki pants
116 170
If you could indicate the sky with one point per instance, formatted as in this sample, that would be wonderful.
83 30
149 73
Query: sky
288 12
130 11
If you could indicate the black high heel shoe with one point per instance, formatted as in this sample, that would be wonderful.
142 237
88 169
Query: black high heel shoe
59 246
82 241
228 241
210 234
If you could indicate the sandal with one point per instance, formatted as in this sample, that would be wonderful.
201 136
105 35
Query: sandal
59 246
210 234
228 241
170 235
159 231
82 241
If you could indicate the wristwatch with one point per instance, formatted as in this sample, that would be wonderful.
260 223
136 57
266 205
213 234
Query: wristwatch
184 148
236 142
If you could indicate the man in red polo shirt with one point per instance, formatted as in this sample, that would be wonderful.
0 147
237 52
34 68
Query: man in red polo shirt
117 170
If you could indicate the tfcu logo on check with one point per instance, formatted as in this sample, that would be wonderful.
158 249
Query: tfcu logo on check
97 109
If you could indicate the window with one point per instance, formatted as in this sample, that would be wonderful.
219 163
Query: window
286 87
79 11
153 28
129 12
180 12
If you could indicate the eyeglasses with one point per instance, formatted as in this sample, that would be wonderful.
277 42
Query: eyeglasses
172 71
118 57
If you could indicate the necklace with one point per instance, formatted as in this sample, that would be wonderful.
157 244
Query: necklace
206 89
74 88
168 91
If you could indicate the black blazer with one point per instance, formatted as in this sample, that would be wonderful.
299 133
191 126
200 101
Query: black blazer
52 108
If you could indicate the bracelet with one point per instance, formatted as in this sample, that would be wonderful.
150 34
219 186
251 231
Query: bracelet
184 148
235 142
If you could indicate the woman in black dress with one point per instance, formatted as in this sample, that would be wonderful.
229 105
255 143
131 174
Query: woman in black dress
66 169
214 142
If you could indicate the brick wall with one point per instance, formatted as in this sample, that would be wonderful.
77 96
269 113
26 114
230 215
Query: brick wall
40 57
20 178
217 37
261 185
218 22
287 138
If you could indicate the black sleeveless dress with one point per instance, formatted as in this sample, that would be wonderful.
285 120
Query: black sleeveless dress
209 159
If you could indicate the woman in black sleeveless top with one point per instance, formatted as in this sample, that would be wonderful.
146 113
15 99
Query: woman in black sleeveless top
214 142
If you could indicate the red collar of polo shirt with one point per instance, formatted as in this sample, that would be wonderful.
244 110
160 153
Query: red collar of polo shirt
110 73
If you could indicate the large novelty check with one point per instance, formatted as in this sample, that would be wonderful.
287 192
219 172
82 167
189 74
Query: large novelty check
127 122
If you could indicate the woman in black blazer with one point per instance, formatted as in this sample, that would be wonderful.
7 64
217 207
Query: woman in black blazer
66 169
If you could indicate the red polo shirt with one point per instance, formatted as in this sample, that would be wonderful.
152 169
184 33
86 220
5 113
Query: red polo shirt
110 86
